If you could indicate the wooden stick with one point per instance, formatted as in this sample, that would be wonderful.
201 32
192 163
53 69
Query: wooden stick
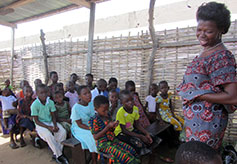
45 55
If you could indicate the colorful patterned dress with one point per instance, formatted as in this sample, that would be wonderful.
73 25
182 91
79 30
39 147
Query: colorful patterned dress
204 121
166 114
143 120
120 151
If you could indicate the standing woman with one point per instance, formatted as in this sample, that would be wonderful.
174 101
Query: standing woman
209 88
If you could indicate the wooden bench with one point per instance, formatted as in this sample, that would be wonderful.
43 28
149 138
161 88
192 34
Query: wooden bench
78 154
157 127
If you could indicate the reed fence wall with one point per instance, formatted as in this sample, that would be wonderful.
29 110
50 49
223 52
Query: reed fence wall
123 57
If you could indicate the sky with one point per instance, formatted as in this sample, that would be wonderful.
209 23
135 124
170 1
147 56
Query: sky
113 7
103 10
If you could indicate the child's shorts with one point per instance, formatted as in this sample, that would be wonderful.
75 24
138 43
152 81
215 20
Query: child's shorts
8 113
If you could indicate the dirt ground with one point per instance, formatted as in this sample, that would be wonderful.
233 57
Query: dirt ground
32 155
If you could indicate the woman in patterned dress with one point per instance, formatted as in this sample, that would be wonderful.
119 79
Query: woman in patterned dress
209 88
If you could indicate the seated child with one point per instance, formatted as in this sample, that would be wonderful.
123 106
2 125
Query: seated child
100 89
74 78
71 93
20 94
89 81
114 104
24 118
165 108
60 88
113 84
102 129
8 105
129 129
196 152
36 82
63 111
8 85
81 113
9 112
54 79
143 120
151 102
43 113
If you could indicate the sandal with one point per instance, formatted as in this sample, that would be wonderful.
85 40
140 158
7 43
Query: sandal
13 146
166 159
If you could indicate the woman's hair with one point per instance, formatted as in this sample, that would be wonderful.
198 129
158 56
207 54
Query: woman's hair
112 79
129 83
195 152
81 88
100 100
216 12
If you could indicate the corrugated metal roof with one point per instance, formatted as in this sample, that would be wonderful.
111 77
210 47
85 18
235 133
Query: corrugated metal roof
18 11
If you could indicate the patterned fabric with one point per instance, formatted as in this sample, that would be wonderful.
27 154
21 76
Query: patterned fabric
166 113
143 120
206 121
120 151
63 110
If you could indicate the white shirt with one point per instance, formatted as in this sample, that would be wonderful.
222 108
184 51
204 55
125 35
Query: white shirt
151 103
7 102
73 98
95 92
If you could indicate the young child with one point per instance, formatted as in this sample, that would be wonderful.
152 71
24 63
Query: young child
24 118
114 103
100 89
113 84
8 85
54 78
9 112
74 78
196 152
63 111
71 93
129 129
151 102
9 103
102 129
143 120
36 83
164 105
20 94
81 113
89 81
60 88
43 113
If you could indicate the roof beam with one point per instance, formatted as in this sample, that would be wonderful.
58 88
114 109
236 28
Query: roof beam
81 3
4 23
17 4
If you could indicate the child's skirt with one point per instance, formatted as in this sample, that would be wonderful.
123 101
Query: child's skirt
27 123
85 137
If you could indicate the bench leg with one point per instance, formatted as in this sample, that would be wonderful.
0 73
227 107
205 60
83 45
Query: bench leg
78 155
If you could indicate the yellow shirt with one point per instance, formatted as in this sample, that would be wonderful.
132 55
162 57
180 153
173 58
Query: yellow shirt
126 119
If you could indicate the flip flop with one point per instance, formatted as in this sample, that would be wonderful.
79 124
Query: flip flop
13 146
166 159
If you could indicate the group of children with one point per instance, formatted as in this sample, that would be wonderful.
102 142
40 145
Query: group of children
103 118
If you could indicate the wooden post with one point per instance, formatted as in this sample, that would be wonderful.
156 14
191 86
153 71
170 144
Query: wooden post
12 55
154 44
45 55
90 38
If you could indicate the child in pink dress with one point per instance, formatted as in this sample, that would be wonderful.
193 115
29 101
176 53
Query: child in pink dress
71 93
